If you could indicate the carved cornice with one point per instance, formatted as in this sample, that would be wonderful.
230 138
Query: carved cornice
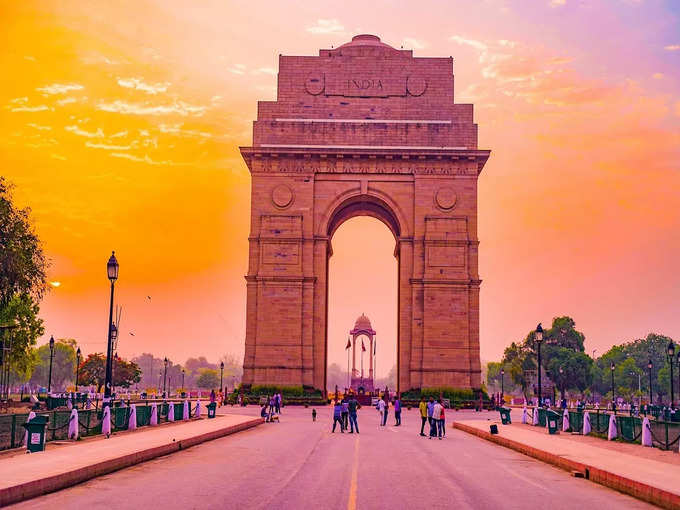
294 160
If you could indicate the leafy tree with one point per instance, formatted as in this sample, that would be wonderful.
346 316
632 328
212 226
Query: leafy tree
93 372
519 362
569 369
22 311
23 269
208 378
563 334
63 364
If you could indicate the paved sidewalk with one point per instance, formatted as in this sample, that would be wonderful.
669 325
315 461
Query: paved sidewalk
655 481
26 476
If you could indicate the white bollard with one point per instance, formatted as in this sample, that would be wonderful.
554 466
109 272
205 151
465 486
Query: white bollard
198 409
31 415
185 411
171 411
586 424
646 433
565 421
73 425
132 422
535 420
154 415
525 415
612 433
106 421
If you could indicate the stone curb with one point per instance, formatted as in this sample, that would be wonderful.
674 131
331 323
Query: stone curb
628 486
49 484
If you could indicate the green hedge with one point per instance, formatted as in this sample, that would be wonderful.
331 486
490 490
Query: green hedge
452 394
270 389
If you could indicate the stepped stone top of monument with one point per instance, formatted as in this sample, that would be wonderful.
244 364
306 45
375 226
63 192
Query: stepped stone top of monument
363 325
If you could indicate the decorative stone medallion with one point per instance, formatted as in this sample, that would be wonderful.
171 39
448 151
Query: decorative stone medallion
445 198
315 83
282 196
416 85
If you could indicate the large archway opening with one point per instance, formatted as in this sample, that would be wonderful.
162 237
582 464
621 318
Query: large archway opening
362 279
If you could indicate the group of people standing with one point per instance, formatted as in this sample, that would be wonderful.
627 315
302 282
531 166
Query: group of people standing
432 412
383 407
345 414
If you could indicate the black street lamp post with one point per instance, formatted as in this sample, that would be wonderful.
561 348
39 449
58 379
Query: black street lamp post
78 354
671 352
49 378
183 380
538 338
678 374
613 396
112 273
561 383
649 366
502 385
221 374
165 374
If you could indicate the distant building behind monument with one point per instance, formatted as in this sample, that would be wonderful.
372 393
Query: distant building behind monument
364 129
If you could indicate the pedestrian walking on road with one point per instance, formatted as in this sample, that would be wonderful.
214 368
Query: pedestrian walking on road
278 402
386 410
313 414
397 412
345 413
423 415
442 421
212 396
430 409
337 417
352 407
381 412
436 429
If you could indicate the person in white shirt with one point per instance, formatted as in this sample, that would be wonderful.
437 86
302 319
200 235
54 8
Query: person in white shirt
436 428
381 411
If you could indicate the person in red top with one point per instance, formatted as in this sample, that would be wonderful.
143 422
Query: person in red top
442 424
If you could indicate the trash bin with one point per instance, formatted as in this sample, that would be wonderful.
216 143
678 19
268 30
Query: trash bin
212 406
36 433
505 415
553 420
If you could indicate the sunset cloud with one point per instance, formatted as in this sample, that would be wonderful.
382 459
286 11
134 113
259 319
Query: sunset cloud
139 84
145 159
82 132
326 26
178 108
59 88
412 43
672 47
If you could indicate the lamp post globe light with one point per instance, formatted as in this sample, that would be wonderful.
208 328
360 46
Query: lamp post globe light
165 373
538 338
112 273
649 366
221 373
78 354
671 352
49 378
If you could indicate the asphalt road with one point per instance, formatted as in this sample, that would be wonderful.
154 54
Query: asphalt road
297 464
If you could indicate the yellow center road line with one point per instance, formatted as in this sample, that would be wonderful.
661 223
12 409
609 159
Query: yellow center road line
352 500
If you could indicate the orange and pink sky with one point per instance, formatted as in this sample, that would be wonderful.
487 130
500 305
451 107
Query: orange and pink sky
120 124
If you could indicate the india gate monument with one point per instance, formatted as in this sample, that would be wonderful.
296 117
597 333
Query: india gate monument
364 130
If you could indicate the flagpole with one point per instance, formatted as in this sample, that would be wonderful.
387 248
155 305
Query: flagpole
348 379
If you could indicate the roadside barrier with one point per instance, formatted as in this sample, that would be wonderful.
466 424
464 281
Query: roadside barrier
663 434
62 423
